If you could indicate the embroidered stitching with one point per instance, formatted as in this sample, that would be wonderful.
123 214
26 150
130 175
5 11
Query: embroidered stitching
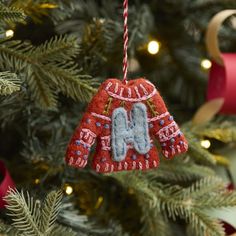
89 132
143 98
141 140
154 163
107 106
119 130
108 85
147 164
122 104
164 138
108 137
137 92
97 167
101 116
87 145
152 107
144 90
172 124
87 137
158 117
116 87
106 143
121 91
174 150
140 165
112 168
107 146
135 133
129 92
99 124
126 166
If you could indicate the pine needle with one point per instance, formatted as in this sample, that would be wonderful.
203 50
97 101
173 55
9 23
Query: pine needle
9 83
174 201
50 211
11 14
34 9
24 212
41 91
49 69
32 218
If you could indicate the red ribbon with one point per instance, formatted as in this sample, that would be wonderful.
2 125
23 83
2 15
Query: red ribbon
6 183
222 83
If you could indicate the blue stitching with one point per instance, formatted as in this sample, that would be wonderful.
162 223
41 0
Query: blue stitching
136 132
119 133
140 131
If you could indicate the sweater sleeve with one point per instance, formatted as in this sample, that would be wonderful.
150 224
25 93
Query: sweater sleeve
85 134
82 141
166 130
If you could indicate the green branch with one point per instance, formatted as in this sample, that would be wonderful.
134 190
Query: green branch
34 218
9 83
11 14
48 69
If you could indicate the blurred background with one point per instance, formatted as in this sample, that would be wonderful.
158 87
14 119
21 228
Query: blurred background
53 57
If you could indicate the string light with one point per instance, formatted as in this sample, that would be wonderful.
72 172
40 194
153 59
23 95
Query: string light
206 144
48 5
9 33
68 189
37 181
206 64
102 20
153 47
99 202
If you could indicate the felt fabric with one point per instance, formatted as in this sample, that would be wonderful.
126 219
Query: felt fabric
136 133
125 119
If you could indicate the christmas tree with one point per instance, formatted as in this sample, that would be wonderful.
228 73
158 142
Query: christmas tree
53 57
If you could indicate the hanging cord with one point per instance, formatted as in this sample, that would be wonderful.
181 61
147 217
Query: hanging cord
126 40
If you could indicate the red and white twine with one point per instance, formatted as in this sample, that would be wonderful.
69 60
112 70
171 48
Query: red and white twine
126 40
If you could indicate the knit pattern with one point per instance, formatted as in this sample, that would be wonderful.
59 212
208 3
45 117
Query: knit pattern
114 97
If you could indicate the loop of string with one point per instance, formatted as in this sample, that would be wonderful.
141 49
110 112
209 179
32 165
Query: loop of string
126 39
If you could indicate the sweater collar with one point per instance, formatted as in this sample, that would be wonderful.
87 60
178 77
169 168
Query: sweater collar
134 90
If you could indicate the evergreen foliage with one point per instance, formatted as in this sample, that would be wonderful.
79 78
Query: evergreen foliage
188 203
11 13
37 117
33 217
8 83
47 67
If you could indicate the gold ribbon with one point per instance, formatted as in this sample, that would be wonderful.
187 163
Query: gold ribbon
212 42
208 110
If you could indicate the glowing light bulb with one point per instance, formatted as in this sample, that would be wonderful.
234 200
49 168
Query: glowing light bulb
68 190
9 33
153 47
205 144
37 181
206 64
102 20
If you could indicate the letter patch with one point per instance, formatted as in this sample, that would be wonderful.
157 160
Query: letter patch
133 132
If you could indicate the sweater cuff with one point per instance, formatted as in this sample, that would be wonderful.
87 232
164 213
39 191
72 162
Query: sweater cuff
170 151
77 155
77 162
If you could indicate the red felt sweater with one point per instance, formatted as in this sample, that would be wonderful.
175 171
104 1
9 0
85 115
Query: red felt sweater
96 124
